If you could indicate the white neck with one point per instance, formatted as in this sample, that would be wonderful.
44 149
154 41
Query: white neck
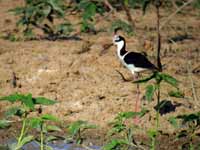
120 45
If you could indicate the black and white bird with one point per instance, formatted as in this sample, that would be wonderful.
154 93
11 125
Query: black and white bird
135 62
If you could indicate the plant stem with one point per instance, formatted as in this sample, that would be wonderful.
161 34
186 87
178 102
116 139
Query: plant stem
158 36
157 112
41 137
22 132
153 143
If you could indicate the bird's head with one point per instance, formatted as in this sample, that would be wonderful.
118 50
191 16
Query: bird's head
117 39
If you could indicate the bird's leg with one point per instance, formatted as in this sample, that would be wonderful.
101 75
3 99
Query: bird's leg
137 104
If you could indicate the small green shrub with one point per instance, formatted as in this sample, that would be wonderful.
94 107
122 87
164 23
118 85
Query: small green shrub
77 128
41 14
121 134
26 107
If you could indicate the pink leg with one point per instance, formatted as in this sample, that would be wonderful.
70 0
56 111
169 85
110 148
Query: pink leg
137 104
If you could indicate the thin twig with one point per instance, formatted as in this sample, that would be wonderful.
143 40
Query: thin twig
107 3
174 13
124 79
192 85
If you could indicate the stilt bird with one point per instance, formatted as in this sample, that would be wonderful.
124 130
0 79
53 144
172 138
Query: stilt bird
134 61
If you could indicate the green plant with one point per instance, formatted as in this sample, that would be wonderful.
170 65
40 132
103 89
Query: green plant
41 14
5 123
41 124
151 89
123 131
89 10
27 105
187 126
127 28
77 128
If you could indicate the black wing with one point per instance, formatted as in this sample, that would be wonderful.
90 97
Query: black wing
139 60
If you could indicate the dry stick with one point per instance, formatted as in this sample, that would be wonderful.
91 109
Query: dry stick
107 3
174 13
192 85
124 79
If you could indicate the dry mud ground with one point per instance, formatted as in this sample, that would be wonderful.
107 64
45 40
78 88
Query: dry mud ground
86 84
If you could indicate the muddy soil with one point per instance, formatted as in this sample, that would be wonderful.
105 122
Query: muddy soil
82 76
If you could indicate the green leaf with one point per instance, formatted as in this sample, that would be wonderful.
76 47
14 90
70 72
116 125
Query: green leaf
48 147
146 79
75 127
115 144
12 111
176 94
117 128
152 133
46 11
17 10
127 115
49 117
11 98
4 124
52 138
143 112
25 140
90 11
173 121
169 79
56 7
53 128
35 122
43 101
126 2
150 89
27 100
190 117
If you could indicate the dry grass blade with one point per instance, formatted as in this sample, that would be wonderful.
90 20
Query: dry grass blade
195 97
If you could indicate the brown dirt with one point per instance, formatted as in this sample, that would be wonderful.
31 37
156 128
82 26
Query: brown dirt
86 85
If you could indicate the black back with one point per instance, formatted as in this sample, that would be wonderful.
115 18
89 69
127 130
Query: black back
139 60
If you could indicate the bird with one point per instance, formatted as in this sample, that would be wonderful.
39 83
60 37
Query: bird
134 61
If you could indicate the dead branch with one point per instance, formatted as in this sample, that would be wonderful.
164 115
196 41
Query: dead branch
107 3
123 78
174 13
